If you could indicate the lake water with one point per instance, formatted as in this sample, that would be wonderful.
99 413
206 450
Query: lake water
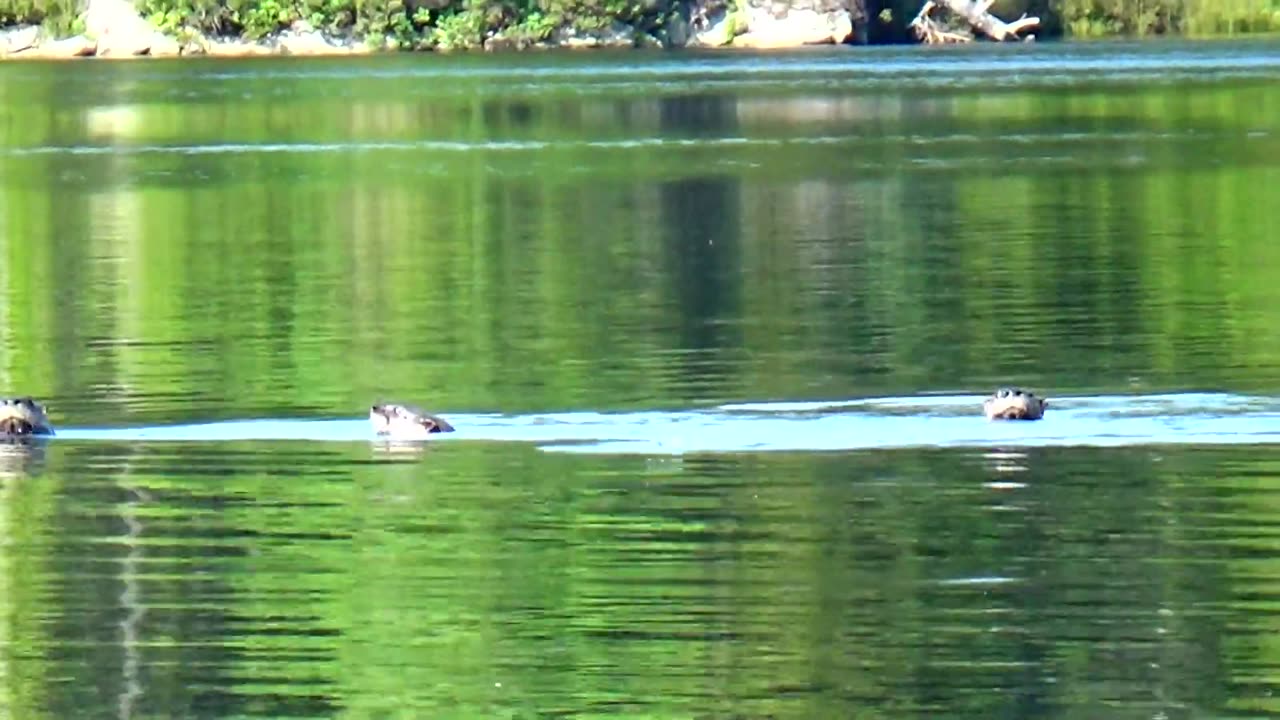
714 330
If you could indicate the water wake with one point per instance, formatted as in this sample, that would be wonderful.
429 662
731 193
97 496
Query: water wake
890 422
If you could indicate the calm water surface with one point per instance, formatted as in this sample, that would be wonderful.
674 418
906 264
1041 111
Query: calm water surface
713 329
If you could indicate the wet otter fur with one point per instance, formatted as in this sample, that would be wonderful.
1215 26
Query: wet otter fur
405 421
1014 404
23 417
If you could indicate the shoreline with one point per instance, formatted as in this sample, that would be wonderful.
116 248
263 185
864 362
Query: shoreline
81 47
115 29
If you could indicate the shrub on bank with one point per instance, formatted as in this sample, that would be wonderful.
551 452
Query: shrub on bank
58 16
1097 18
445 24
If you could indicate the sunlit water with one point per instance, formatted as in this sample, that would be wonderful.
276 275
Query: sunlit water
714 330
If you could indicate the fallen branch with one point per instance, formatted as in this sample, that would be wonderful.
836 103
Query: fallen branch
933 32
976 13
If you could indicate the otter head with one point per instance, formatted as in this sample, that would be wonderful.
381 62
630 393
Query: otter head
1014 404
20 417
405 421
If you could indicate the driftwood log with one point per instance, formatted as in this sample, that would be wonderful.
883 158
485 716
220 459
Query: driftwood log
976 14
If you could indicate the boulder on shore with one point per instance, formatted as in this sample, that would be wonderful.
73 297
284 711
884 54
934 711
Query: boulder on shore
121 32
782 25
72 47
19 39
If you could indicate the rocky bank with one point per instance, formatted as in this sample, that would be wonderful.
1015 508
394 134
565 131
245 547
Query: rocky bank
114 29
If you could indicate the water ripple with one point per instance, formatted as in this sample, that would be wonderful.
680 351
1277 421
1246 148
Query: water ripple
630 143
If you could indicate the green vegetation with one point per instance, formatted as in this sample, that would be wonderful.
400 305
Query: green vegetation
461 24
57 16
1095 18
411 24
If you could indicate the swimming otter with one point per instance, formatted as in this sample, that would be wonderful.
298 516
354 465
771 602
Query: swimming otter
405 421
22 417
1014 404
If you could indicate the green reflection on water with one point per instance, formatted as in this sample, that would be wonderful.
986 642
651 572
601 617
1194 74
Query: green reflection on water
628 249
267 579
201 241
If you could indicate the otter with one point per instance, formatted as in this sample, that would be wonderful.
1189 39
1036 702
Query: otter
405 421
23 417
1014 404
